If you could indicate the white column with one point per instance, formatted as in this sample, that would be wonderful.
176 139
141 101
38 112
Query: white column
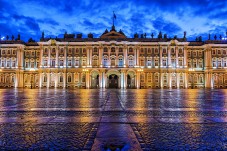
56 80
137 57
65 57
186 80
178 80
125 57
48 79
64 79
100 57
56 63
138 80
40 80
88 57
185 58
169 56
100 79
161 80
177 65
170 79
160 57
48 63
122 79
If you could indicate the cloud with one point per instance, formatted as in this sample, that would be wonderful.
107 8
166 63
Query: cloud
143 16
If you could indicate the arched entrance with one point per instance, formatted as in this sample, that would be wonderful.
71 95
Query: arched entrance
113 81
94 79
130 79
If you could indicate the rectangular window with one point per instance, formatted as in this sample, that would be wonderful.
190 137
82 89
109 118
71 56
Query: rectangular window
180 62
13 64
149 62
156 62
77 62
45 63
26 64
32 64
61 63
70 63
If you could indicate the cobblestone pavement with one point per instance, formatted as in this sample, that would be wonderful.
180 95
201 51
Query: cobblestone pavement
113 119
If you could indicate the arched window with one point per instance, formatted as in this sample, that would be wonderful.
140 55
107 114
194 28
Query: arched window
120 62
131 61
105 61
69 78
44 78
61 78
113 50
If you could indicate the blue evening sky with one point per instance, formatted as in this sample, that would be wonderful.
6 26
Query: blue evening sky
55 17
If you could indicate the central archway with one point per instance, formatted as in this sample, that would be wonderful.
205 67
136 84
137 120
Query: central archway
113 81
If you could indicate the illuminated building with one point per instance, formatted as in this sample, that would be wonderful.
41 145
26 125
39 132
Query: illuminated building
113 61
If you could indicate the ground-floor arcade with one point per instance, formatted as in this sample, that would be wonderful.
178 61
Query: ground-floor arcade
112 78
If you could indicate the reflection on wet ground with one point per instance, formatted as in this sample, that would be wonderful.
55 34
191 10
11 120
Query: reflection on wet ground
113 119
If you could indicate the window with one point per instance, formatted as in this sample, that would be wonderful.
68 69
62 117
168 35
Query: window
27 54
53 50
45 51
164 62
3 52
224 52
45 78
200 63
149 77
219 52
180 51
200 53
173 62
131 62
130 50
219 63
95 50
189 53
61 78
69 62
70 51
8 63
14 52
120 50
84 62
95 61
142 50
32 64
113 49
84 50
172 51
194 63
214 62
69 78
156 51
3 63
113 62
37 53
180 62
13 63
105 62
61 63
194 53
149 50
32 53
142 62
45 62
164 51
105 49
189 64
120 62
83 78
53 63
149 62
8 52
213 52
77 50
156 62
77 62
62 51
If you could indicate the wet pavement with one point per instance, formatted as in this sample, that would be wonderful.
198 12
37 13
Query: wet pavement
113 119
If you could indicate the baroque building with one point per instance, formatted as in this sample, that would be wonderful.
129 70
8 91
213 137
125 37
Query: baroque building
113 61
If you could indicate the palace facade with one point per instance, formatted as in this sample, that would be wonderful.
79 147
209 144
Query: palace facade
113 61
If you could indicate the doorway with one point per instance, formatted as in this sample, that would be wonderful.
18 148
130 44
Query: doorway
113 81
